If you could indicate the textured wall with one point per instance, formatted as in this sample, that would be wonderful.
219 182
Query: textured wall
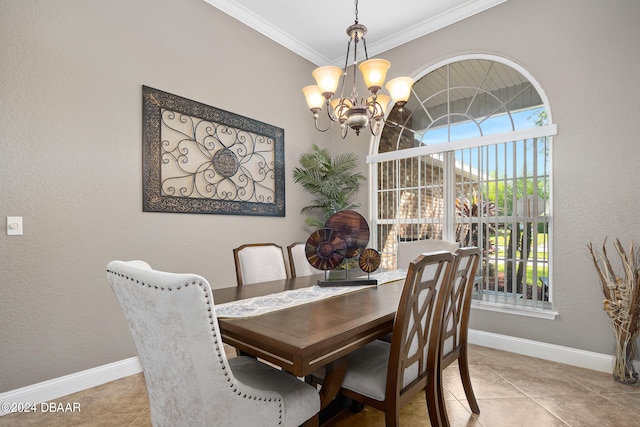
71 143
584 55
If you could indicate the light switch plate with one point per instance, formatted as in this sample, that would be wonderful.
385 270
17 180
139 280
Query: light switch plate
14 226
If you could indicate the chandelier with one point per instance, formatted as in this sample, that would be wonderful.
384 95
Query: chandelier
350 110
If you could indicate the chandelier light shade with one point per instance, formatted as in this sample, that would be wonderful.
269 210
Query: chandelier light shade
314 97
374 72
400 89
327 79
352 111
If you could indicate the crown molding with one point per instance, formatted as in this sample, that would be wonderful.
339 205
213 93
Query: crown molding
267 29
430 25
290 42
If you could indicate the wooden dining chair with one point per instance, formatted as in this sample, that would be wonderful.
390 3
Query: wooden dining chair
455 325
190 381
387 375
259 262
408 251
298 262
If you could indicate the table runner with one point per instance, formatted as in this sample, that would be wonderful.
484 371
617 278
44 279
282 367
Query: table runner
265 304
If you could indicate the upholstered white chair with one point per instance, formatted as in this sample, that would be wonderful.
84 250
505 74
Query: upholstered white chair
298 262
407 251
259 262
386 375
455 325
188 376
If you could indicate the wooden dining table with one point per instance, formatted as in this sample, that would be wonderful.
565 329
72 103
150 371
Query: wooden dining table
317 334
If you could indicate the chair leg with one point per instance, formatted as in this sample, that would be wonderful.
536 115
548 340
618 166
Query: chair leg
463 364
433 396
392 418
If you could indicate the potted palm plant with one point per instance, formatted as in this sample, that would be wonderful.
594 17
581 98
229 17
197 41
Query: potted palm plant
332 182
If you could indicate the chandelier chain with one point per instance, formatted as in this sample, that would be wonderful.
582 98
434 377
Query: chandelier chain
356 3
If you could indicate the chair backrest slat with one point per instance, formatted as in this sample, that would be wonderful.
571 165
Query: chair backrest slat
458 304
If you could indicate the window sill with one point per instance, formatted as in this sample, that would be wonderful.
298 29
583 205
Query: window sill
540 313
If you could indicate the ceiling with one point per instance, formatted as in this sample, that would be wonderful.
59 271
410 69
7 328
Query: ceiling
316 30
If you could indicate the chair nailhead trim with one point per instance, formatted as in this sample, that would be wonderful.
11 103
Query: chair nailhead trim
215 339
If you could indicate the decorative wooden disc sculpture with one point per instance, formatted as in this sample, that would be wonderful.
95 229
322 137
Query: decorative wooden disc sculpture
344 236
353 228
369 260
325 249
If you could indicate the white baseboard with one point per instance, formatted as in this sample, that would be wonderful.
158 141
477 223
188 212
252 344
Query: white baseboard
49 390
555 353
63 386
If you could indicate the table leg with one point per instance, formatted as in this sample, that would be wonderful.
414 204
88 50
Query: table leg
334 374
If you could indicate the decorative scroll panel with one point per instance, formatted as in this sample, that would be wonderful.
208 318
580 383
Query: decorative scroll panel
200 159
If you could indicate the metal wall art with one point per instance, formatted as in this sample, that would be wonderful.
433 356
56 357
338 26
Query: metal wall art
200 159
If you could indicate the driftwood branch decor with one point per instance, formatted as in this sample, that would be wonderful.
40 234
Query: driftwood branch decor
622 304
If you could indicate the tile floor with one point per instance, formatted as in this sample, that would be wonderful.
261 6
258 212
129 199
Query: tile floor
512 390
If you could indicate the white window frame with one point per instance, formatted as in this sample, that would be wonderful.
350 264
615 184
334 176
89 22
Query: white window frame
548 131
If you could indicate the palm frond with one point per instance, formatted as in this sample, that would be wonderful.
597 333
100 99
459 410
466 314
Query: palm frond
332 182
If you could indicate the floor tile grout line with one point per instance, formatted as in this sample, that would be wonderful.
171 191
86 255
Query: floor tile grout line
531 398
607 397
465 404
553 414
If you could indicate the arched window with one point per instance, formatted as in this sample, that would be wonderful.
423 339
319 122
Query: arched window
469 159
